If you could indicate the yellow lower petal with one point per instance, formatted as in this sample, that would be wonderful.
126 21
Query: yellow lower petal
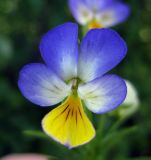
68 123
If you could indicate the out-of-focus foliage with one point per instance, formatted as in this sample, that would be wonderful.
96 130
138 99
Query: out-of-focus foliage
22 23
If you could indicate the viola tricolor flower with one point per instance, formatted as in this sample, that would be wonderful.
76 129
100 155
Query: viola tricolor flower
75 75
98 13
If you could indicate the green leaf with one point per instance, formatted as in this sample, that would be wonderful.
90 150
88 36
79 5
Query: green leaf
35 133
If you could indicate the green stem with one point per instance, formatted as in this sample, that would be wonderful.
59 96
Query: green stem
116 125
84 30
99 136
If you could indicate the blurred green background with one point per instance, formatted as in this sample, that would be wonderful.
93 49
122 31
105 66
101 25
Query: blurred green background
22 24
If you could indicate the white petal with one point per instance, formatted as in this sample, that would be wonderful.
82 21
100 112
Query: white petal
106 18
103 94
132 97
131 103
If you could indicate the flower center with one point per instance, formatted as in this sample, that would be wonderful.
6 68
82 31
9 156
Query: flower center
75 82
94 24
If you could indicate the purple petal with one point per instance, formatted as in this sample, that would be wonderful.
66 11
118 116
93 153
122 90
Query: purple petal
41 86
113 14
59 49
103 94
81 12
97 5
101 50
